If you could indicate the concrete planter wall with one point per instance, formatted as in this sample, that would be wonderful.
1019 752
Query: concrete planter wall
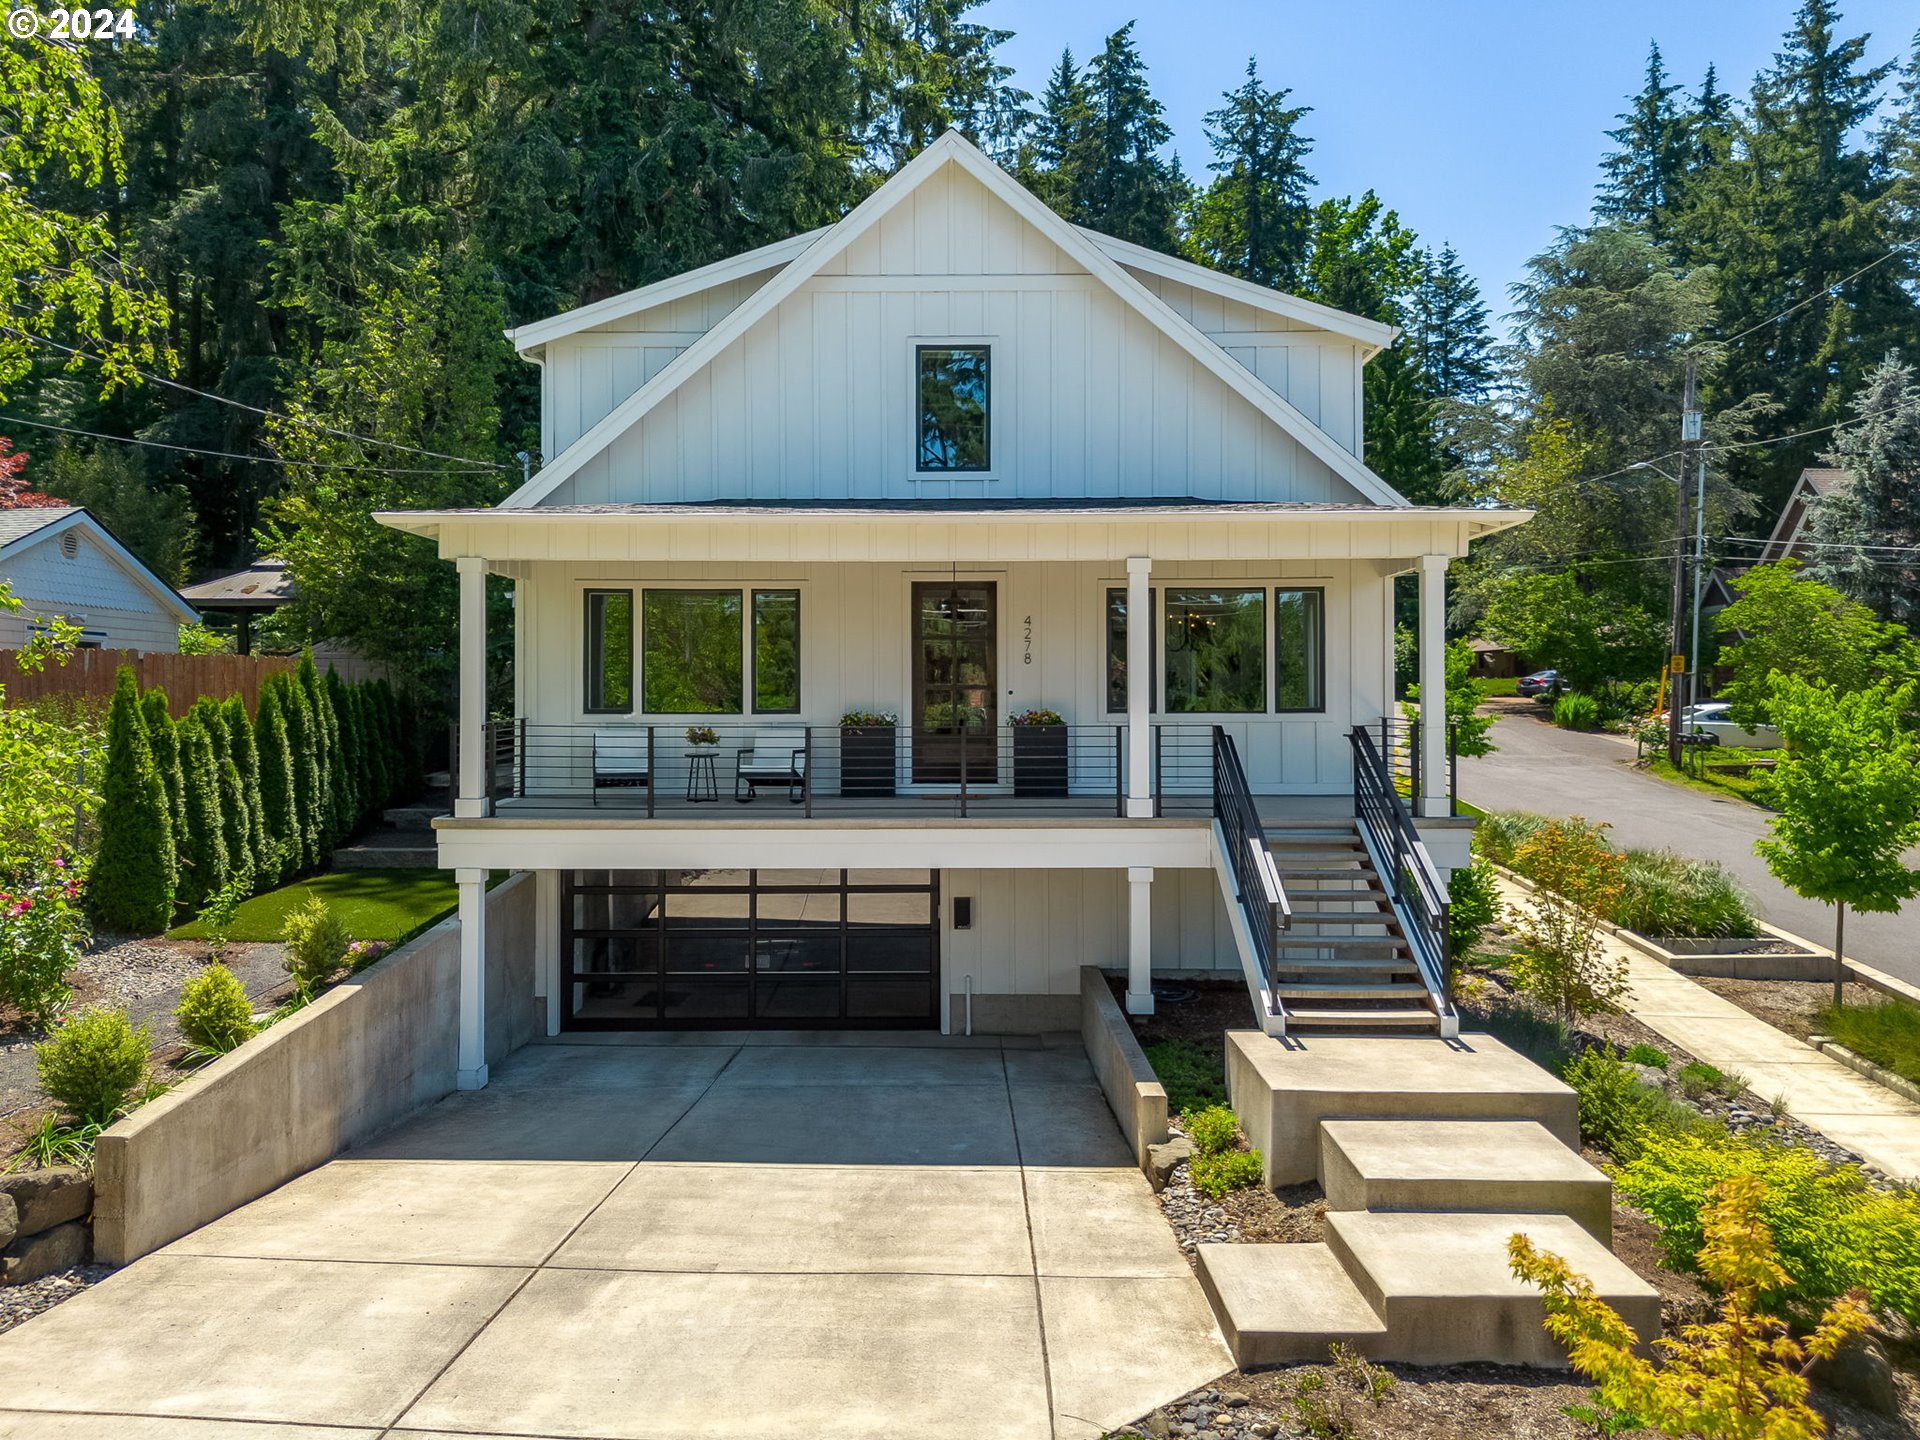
1133 1091
1759 958
366 1054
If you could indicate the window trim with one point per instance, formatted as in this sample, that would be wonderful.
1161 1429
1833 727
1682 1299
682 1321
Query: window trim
637 588
754 592
1319 657
1002 407
588 595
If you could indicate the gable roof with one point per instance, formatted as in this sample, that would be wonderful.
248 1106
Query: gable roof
954 149
23 529
1813 485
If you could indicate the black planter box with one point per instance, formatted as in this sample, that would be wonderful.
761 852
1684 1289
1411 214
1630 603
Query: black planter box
866 759
1040 761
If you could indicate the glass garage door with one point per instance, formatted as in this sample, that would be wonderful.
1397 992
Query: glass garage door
734 949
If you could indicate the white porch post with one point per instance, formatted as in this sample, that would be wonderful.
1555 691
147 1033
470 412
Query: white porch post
1139 935
546 942
470 798
1433 686
1139 694
471 1066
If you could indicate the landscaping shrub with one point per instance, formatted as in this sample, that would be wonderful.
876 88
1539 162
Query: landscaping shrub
1214 1131
1502 832
1887 1032
1576 711
350 778
1620 1113
1560 959
1540 1038
93 1063
326 759
42 932
131 884
1193 1076
1667 894
1472 905
1215 1175
1647 1055
214 1012
316 946
1834 1233
1699 1080
303 743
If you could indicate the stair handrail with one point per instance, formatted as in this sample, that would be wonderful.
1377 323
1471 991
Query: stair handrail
1263 899
1419 895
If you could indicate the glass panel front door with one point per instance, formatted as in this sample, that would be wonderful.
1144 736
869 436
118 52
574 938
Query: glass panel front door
955 710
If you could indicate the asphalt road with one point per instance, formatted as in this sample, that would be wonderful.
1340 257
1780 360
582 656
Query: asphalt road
1556 772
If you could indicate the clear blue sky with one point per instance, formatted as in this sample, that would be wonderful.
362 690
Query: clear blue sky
1481 121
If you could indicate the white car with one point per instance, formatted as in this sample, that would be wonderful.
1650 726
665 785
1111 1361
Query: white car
1712 722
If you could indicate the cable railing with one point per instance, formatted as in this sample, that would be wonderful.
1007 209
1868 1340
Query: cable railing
1419 895
1256 879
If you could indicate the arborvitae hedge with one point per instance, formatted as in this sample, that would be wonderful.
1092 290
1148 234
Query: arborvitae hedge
236 827
246 760
279 808
203 849
131 884
304 745
166 756
326 759
351 788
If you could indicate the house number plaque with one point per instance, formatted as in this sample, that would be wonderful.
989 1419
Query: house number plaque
1027 657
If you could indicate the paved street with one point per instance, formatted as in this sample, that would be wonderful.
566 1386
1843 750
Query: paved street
1557 772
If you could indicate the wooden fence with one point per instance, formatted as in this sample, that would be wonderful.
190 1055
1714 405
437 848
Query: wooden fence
185 678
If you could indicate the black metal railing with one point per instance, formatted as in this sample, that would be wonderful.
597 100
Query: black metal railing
1256 879
623 768
1400 747
1418 893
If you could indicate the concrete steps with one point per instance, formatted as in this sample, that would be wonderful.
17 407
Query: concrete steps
1432 1153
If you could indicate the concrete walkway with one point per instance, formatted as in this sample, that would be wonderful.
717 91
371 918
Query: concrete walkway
714 1236
1872 1121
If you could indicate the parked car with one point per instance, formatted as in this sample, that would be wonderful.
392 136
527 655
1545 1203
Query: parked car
1541 685
1711 723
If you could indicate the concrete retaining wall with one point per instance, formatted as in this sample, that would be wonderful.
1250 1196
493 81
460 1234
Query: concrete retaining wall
364 1055
1133 1091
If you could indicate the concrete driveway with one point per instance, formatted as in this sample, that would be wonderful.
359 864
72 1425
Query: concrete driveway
1557 772
754 1236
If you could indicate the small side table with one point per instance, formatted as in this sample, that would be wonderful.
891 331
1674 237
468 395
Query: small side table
703 781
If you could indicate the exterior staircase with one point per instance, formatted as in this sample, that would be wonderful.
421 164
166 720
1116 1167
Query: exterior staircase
402 840
1345 962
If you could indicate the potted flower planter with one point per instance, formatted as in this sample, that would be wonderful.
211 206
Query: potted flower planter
867 753
1039 755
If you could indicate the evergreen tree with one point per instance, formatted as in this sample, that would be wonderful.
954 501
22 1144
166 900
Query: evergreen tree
130 887
1867 533
1055 148
245 755
1255 220
1899 146
326 747
279 789
203 847
236 821
1122 184
382 785
1644 175
166 756
350 774
1452 349
303 746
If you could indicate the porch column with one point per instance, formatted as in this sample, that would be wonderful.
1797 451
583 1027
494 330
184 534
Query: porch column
471 1066
470 796
1433 686
1139 933
1139 695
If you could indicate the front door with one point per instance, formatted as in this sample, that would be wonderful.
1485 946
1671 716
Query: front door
955 711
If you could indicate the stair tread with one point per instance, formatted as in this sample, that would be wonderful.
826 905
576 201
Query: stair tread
1384 990
1277 1303
1346 962
1365 1017
1288 940
1343 917
1475 1150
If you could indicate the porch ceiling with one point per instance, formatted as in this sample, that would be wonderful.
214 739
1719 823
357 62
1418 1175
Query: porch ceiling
855 531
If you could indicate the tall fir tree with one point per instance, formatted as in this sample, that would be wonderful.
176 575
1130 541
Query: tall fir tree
1867 533
1123 184
1644 175
1255 219
131 885
1054 150
279 788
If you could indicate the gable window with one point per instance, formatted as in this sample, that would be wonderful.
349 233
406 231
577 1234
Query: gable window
776 652
609 659
1117 651
1299 650
691 652
951 396
1216 647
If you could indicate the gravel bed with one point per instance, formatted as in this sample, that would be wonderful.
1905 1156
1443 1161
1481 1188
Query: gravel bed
20 1303
131 970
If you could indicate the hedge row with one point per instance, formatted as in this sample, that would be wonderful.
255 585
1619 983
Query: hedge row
220 797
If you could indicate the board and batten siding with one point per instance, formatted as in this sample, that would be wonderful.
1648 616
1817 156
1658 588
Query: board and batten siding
856 651
816 400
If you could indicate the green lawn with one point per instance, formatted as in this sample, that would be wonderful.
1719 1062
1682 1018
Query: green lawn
1711 783
1887 1032
1508 685
373 904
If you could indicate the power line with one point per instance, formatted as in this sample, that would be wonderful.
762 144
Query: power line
211 454
1821 545
33 339
1774 320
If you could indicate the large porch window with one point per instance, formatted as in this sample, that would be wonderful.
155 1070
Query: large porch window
1299 650
609 657
691 652
1216 643
699 651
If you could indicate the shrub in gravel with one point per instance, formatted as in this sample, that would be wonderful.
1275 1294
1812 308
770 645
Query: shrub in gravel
317 946
1473 903
1647 1055
93 1063
1213 1130
1619 1112
1215 1175
214 1012
1699 1080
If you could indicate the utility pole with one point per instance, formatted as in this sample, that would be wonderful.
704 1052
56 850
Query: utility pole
1699 562
1676 656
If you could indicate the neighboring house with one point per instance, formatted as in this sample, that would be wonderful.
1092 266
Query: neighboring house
60 561
243 595
1493 661
1794 528
953 459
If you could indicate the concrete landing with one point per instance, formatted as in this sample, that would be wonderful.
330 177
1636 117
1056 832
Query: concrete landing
1279 1304
1283 1089
1441 1283
1496 1165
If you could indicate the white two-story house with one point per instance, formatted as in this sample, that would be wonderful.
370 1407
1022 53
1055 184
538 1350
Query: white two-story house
866 505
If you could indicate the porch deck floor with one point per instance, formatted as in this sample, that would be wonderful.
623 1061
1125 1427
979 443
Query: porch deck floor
769 809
